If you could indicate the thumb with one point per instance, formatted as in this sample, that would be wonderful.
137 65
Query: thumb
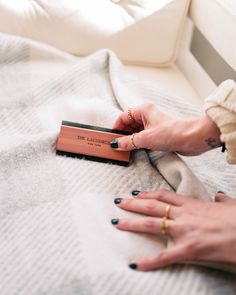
130 142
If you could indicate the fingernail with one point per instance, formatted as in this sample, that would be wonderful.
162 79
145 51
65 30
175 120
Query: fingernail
114 144
135 193
115 221
220 192
133 265
117 200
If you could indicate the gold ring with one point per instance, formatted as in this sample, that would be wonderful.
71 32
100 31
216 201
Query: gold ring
164 226
167 211
130 115
134 146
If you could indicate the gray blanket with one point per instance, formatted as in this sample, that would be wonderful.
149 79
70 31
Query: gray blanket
55 231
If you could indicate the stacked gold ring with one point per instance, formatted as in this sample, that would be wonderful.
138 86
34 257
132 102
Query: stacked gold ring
134 146
164 224
167 211
130 115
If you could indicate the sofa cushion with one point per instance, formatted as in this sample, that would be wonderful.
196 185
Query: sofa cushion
170 81
139 31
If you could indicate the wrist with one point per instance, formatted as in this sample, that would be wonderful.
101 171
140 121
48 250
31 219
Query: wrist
198 135
209 132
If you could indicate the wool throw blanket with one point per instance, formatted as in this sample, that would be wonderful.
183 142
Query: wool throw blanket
55 212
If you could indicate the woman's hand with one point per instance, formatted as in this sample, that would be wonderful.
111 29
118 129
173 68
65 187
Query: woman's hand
201 230
157 130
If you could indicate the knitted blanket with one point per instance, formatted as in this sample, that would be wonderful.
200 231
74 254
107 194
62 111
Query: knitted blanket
55 212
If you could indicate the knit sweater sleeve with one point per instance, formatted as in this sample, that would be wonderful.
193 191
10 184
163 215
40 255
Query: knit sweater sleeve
221 107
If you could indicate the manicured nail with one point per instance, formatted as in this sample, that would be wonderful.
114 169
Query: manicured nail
133 265
117 200
115 221
135 193
114 144
220 192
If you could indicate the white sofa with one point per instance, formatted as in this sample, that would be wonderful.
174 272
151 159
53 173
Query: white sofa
134 30
216 20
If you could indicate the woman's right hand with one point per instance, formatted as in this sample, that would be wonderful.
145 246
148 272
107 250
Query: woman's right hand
157 130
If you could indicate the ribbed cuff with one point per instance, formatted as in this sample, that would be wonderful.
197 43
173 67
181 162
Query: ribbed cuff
221 108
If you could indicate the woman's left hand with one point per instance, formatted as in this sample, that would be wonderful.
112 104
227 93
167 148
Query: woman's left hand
201 230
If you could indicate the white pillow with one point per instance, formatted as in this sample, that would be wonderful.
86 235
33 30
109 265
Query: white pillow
139 31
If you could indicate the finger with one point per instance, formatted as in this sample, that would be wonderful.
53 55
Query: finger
124 121
165 196
162 259
151 225
130 142
148 207
220 197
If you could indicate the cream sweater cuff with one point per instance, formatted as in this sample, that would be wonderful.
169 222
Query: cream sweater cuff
221 107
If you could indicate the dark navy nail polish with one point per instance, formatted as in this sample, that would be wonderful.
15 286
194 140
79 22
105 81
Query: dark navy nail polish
133 265
114 144
220 192
117 200
135 193
115 221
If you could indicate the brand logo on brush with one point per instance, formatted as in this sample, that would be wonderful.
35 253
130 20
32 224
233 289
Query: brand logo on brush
93 140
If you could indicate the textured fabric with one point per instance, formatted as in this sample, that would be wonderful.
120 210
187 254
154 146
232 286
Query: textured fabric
55 231
221 107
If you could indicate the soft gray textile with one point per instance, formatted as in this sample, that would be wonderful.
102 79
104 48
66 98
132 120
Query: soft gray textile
55 231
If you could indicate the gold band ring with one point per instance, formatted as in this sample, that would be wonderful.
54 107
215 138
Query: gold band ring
164 226
130 115
134 146
167 211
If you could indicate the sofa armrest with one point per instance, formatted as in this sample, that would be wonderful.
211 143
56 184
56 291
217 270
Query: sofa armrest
216 20
207 56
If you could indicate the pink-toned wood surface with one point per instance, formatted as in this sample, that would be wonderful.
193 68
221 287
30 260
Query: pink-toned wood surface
89 142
